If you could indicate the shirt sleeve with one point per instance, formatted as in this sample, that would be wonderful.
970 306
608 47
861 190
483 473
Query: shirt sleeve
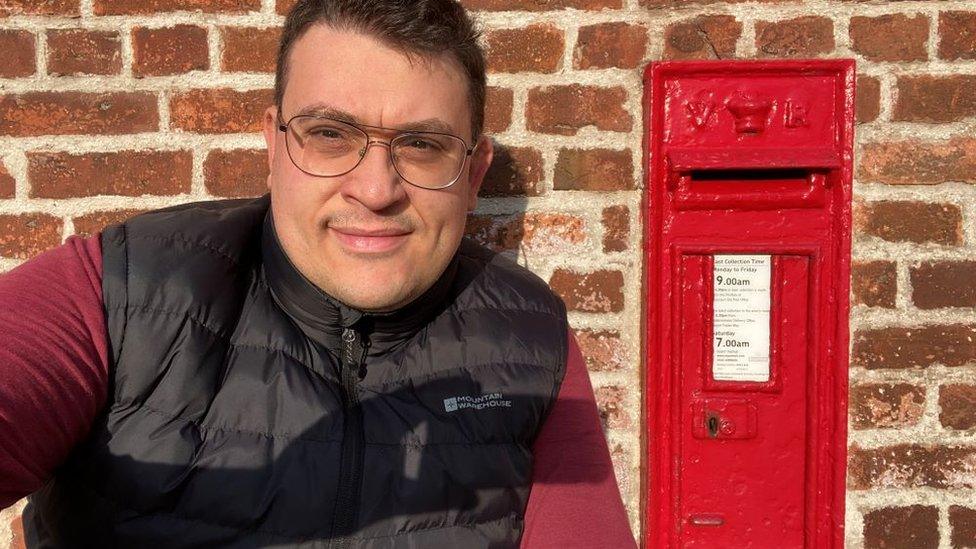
574 501
53 362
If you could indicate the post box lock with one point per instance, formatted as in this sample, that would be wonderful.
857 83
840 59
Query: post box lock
718 418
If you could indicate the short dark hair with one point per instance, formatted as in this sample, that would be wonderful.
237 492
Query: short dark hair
427 28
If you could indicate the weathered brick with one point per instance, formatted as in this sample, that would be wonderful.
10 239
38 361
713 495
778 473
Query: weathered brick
874 284
919 162
606 45
7 183
962 520
563 110
593 170
914 526
83 51
126 173
236 173
168 51
538 233
900 221
219 110
616 229
912 466
892 37
514 171
610 402
39 7
807 36
868 99
90 224
957 406
602 350
957 36
66 113
596 292
249 49
535 48
886 405
19 54
952 345
539 5
498 109
148 7
702 37
938 284
683 3
927 98
17 540
25 235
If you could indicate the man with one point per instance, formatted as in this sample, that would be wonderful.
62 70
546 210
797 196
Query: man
328 365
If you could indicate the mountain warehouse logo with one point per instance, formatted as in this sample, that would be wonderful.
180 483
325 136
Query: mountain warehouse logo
488 400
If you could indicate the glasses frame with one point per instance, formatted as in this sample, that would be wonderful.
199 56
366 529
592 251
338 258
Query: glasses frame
468 150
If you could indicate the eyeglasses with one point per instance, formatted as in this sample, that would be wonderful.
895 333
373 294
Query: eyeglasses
325 147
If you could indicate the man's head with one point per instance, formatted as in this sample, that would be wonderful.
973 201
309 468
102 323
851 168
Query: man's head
368 237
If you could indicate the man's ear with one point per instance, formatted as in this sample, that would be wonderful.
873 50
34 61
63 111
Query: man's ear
271 137
480 162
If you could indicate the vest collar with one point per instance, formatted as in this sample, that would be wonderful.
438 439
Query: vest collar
322 317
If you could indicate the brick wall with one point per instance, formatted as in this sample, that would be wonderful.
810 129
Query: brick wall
111 107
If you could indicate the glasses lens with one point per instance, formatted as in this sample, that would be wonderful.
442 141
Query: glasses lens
324 147
428 160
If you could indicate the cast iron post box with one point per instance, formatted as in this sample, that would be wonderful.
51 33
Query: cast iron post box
748 259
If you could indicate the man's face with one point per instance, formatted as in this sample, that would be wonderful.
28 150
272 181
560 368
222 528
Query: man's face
368 238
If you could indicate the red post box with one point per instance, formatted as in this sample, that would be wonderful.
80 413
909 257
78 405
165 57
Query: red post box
748 261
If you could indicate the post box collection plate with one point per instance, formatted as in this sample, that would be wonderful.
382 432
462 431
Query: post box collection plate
746 286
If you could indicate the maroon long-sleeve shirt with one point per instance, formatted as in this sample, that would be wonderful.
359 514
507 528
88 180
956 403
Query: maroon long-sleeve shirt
54 381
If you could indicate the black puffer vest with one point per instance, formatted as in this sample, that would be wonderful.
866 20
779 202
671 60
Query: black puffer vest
249 409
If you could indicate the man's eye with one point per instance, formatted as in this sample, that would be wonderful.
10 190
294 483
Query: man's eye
327 133
421 144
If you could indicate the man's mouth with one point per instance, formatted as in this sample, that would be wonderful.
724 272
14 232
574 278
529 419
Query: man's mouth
369 240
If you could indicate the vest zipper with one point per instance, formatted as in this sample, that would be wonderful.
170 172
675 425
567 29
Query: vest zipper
353 355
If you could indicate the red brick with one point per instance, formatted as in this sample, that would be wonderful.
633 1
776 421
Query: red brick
616 229
38 7
957 37
498 109
874 284
593 170
148 7
919 222
683 3
219 110
892 37
539 5
17 529
886 405
702 37
249 49
18 53
563 110
535 48
962 520
7 183
938 284
808 36
915 526
237 173
596 292
957 405
126 173
603 351
284 6
912 466
918 162
884 348
538 233
514 171
169 51
929 98
606 45
868 99
25 235
612 408
83 51
90 224
67 113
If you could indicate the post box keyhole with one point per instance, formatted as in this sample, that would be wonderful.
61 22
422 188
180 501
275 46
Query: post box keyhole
713 425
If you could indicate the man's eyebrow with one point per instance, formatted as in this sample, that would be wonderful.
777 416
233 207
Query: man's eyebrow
322 109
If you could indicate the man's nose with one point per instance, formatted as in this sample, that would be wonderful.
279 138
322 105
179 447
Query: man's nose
374 183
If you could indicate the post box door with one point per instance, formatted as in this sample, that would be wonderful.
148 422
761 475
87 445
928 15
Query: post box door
742 440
